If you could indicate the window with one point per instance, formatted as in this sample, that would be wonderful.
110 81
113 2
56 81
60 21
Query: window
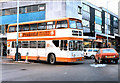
72 24
22 10
34 8
19 44
26 27
41 44
79 10
51 25
7 12
20 27
63 45
12 29
13 11
75 45
42 7
61 24
33 44
98 27
109 51
3 12
25 44
86 7
0 29
0 12
106 15
13 44
33 27
56 43
28 9
85 23
97 13
41 26
79 25
115 19
90 50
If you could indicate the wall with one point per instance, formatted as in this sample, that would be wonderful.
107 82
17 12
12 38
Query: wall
55 10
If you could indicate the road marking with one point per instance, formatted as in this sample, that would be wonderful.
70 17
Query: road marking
98 65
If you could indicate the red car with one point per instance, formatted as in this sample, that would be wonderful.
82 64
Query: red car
107 54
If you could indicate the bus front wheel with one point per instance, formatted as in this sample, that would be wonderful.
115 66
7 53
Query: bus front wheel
52 59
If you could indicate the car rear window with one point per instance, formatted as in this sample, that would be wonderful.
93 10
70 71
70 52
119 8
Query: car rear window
109 51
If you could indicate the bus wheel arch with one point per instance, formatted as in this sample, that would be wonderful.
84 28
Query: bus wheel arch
51 58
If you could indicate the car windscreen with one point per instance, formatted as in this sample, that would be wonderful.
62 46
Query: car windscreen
95 50
109 51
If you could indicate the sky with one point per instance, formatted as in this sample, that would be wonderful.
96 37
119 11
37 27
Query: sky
112 4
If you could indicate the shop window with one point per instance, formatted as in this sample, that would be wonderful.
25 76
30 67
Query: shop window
34 8
22 10
42 7
62 24
33 27
7 12
29 9
51 25
26 27
13 11
41 44
41 26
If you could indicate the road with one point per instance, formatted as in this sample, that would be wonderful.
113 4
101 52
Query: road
42 71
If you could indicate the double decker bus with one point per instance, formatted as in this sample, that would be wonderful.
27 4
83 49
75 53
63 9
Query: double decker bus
57 40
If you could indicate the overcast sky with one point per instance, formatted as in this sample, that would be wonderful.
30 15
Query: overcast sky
112 5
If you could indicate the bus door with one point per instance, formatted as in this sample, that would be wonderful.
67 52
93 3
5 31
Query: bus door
63 48
41 49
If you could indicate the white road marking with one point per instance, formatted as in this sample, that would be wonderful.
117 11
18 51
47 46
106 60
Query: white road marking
98 65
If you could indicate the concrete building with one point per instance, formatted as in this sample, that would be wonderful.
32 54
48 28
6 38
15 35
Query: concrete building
93 18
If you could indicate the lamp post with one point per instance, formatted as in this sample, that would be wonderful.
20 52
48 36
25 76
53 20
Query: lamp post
17 29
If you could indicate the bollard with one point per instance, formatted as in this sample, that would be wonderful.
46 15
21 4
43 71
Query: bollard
26 60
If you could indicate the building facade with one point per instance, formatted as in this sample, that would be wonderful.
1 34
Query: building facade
93 18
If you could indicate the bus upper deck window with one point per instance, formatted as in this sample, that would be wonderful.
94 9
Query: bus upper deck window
72 24
12 29
51 25
33 27
79 25
20 27
62 24
26 27
41 26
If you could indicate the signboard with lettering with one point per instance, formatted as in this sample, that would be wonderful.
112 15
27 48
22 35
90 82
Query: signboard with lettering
37 33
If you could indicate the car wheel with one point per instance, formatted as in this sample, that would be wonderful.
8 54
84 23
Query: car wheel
92 56
52 59
116 61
